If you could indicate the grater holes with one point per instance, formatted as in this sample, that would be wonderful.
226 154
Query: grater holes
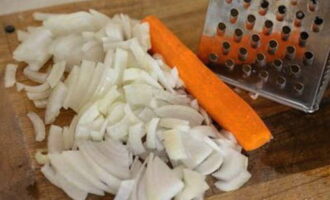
263 7
247 70
264 75
242 54
290 52
250 22
295 70
213 58
303 38
230 64
317 25
233 15
238 34
285 34
300 15
298 87
255 41
313 5
226 47
308 58
272 47
261 59
221 29
268 27
281 12
277 64
246 3
280 82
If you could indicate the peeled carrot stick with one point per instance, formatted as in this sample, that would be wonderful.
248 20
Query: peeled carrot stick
224 106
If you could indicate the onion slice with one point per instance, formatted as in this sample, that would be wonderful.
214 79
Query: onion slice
38 125
55 102
10 75
38 77
55 139
234 183
56 73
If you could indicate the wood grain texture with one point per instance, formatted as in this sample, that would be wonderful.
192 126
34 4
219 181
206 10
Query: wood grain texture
295 165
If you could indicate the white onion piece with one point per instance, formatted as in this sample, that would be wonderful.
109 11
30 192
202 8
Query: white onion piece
211 164
120 64
114 32
207 118
67 48
71 83
41 156
95 80
124 21
100 18
171 98
196 150
38 126
109 58
194 104
119 131
174 145
34 49
40 103
56 179
146 114
141 32
116 151
125 190
135 167
68 135
56 73
225 143
39 88
138 94
67 171
55 139
180 112
22 35
38 77
116 112
20 86
86 69
169 185
136 132
112 181
151 142
172 123
38 95
108 99
138 75
178 170
108 164
10 75
76 160
55 102
195 185
233 164
234 183
71 23
202 131
89 115
130 114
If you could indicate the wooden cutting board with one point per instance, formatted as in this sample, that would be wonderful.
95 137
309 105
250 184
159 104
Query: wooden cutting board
294 165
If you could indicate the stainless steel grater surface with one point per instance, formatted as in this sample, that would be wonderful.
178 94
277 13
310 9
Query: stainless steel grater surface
276 48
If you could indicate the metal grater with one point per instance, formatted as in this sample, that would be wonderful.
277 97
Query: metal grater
276 48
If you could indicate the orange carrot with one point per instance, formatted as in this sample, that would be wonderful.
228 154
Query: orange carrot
224 106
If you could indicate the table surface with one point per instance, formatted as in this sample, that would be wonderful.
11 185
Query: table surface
294 165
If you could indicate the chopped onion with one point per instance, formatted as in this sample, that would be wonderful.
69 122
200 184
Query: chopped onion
211 164
58 180
10 75
38 77
233 164
172 123
174 145
70 174
108 164
55 139
76 160
55 102
196 150
141 32
125 190
22 35
38 95
40 103
234 183
20 86
56 74
112 181
39 88
136 132
41 157
138 94
195 185
38 125
138 75
178 170
151 141
168 187
34 49
180 112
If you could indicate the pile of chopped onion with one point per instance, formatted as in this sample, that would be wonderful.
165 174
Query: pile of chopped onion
136 133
